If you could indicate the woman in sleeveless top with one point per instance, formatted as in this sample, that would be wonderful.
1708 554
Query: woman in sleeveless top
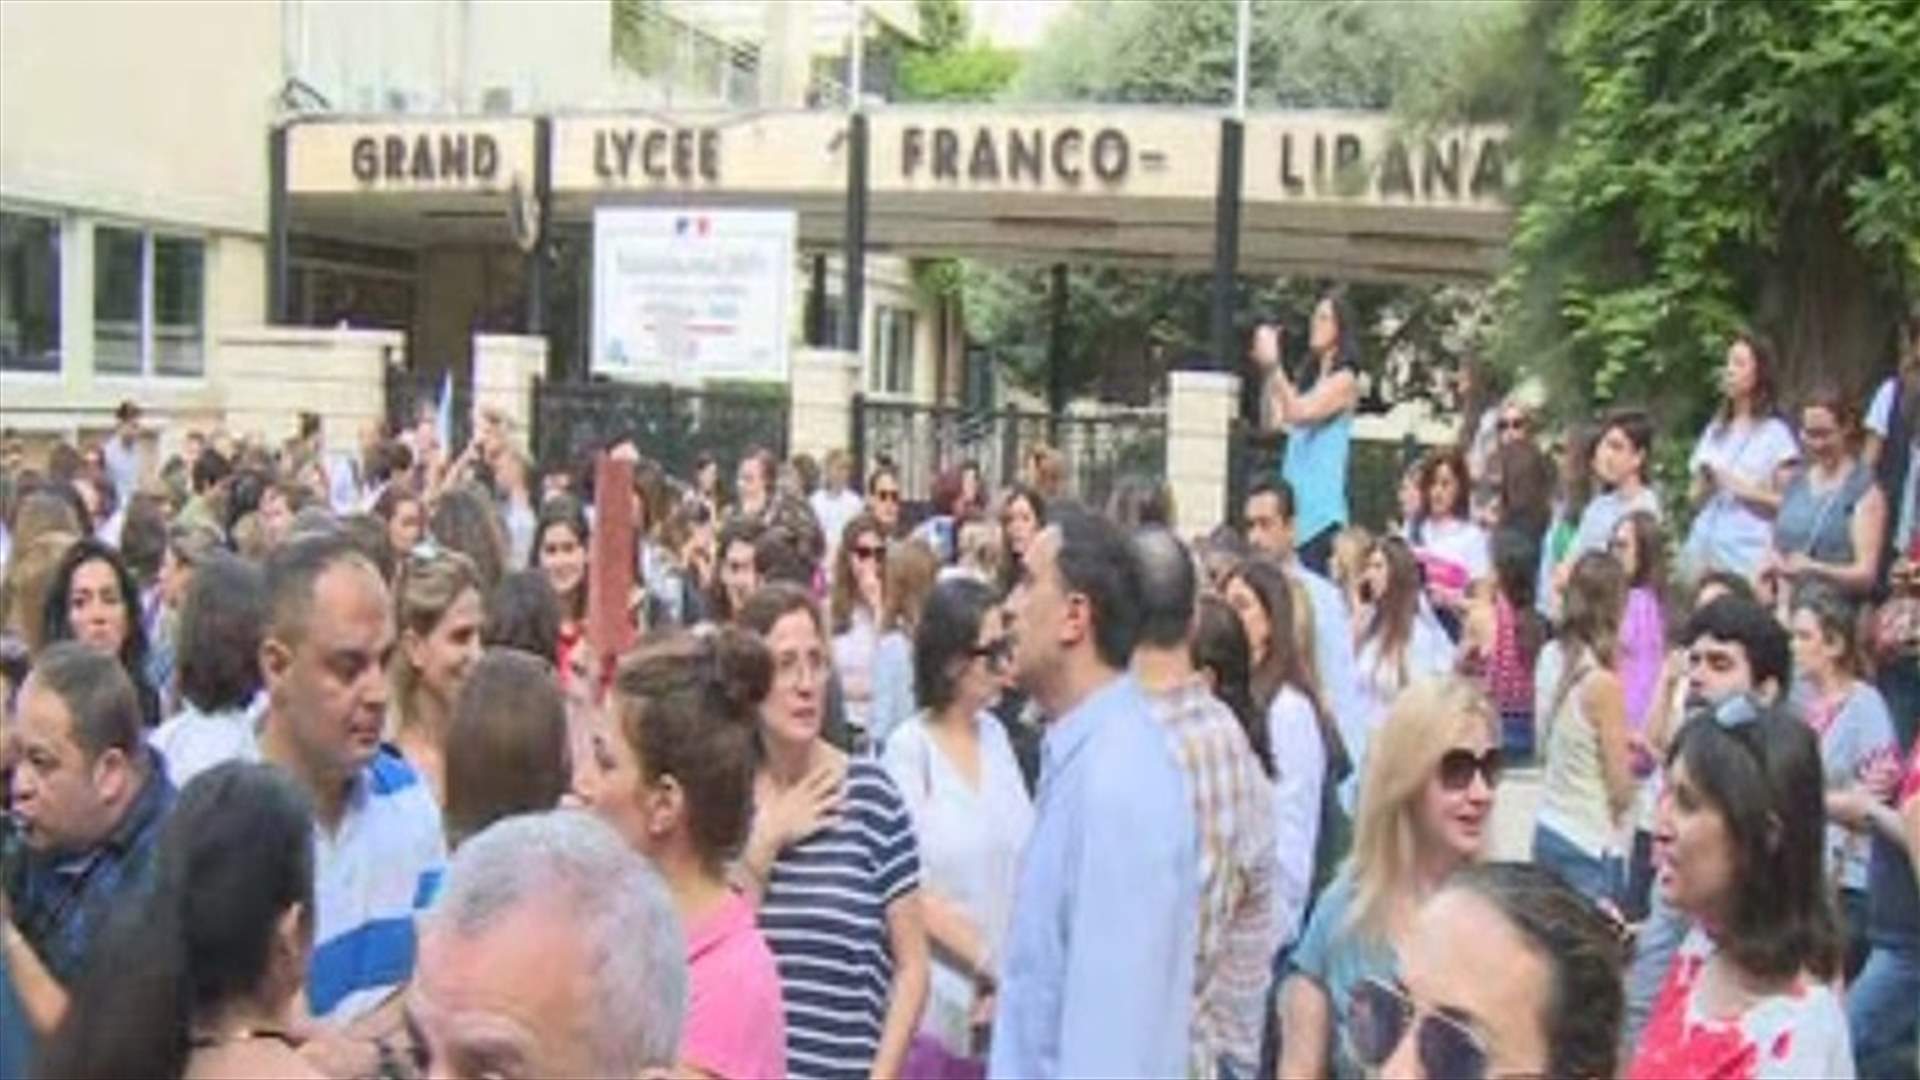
1832 517
1589 785
1503 638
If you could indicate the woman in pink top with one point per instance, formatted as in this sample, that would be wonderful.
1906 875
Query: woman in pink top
672 770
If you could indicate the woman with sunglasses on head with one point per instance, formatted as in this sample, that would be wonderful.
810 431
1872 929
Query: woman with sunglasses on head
854 605
672 772
1832 521
1507 972
1589 783
1858 746
954 766
1739 844
1425 808
1739 466
832 864
438 613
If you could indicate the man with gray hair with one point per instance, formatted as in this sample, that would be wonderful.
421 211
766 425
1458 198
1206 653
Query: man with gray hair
1233 804
553 950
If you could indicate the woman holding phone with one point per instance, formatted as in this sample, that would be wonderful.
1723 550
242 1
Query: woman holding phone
1316 411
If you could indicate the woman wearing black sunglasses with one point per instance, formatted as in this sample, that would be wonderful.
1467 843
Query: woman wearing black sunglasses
1426 803
1738 847
1508 972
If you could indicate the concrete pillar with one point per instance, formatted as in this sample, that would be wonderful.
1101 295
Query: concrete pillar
271 374
504 367
1200 411
820 413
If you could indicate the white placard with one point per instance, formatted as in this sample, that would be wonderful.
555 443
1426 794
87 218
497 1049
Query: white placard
686 295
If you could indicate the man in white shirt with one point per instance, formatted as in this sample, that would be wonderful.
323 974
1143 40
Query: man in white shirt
122 452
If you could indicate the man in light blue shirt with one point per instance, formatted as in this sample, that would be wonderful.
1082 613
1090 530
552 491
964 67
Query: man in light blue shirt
1271 532
1097 978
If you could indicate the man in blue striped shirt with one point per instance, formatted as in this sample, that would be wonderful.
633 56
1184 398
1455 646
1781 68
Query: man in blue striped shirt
378 845
1098 974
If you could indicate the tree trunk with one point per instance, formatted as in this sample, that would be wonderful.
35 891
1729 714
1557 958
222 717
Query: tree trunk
1825 308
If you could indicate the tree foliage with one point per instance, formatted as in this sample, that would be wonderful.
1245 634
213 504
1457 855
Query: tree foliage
1127 326
1688 167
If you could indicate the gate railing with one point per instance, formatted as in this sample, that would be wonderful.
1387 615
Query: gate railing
672 425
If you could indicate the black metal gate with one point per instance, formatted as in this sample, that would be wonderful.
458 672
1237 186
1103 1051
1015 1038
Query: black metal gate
1373 473
672 425
921 440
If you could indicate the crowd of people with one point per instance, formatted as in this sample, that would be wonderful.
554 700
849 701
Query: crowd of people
408 759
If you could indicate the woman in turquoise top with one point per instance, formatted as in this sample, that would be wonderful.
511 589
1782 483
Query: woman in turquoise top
1317 415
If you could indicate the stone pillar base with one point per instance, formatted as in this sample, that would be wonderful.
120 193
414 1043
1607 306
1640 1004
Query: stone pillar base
820 413
1200 411
504 367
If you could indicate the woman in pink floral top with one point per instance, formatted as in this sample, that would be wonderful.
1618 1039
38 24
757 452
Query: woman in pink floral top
1739 840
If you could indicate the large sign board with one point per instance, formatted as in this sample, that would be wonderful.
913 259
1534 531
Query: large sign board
410 156
682 295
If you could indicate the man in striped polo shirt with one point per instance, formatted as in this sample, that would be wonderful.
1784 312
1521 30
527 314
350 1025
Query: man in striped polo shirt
378 844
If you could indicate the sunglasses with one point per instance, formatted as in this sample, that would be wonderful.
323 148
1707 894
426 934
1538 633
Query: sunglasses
1513 425
1379 1016
887 496
1458 766
865 552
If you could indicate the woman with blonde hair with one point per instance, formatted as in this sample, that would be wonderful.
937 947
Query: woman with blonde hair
438 615
1425 807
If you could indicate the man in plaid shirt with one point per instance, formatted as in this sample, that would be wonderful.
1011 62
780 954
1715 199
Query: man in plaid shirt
1233 806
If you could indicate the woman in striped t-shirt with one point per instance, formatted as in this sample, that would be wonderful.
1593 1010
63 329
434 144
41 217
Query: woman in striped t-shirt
833 861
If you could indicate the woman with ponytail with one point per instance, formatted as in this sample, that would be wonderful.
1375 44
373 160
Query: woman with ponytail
200 980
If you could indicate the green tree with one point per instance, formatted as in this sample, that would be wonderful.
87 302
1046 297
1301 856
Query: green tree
1688 167
1127 326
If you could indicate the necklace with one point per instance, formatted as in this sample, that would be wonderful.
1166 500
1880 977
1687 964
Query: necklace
273 1034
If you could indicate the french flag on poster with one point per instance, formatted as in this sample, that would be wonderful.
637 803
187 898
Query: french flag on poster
698 226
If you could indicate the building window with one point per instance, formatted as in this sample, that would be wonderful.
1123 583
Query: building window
149 294
891 371
29 292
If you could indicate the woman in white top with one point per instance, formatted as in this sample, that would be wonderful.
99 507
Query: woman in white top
1582 706
957 773
221 622
1452 549
1400 644
854 605
1302 739
1739 467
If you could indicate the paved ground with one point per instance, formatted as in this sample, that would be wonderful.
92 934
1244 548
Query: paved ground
1513 810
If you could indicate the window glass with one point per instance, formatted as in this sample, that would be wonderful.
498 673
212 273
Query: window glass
179 278
118 266
29 292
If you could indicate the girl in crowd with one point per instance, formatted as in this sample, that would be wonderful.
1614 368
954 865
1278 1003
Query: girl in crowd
464 519
400 507
1640 549
1220 652
206 969
91 601
1023 513
1523 499
560 552
1503 637
1453 551
910 573
1399 642
848 933
1832 520
1589 783
508 750
1739 466
1857 740
438 612
1573 491
1621 458
754 480
222 621
1424 812
524 614
1317 413
971 815
855 604
513 480
1740 835
672 771
1308 755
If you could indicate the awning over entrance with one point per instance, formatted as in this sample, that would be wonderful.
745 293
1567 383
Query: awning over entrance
1321 193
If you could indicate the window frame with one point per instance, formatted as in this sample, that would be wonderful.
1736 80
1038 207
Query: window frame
148 318
64 232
